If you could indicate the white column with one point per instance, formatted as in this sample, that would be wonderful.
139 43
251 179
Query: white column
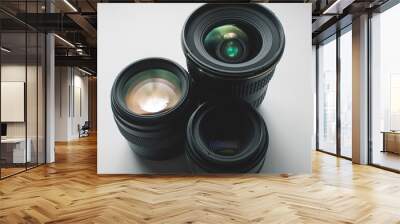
50 92
50 100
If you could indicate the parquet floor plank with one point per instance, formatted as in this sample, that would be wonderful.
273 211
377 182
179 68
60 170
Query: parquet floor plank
70 191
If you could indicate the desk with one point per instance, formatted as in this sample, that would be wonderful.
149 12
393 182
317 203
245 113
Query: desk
391 141
17 152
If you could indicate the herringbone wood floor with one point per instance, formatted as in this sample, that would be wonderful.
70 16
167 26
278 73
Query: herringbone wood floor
69 191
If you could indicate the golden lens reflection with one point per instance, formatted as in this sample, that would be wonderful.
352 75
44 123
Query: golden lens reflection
152 96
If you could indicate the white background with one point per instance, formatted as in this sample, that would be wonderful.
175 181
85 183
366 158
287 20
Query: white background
129 32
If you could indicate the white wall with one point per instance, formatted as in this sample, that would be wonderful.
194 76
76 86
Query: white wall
61 103
288 108
69 81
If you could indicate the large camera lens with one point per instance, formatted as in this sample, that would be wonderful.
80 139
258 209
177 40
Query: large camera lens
226 138
232 50
150 102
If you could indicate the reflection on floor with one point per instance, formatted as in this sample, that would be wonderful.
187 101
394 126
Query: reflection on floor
346 152
10 171
386 159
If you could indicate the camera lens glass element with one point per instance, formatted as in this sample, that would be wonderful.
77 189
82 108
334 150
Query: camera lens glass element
152 91
151 102
228 43
226 137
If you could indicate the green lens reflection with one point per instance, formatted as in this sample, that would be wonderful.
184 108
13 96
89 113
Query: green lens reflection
231 50
227 43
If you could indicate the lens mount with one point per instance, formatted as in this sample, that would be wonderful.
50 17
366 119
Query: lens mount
156 135
226 138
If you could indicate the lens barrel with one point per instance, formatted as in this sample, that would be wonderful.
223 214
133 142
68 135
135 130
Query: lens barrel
151 103
226 138
232 50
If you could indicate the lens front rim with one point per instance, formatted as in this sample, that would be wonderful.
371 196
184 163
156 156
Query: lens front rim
257 16
118 95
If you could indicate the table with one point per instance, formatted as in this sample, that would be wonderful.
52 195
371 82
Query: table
17 152
391 141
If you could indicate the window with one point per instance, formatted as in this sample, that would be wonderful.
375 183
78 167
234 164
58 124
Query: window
334 106
22 77
327 96
395 101
385 89
346 93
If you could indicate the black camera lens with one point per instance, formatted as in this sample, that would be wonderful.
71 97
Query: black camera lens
232 50
150 102
226 138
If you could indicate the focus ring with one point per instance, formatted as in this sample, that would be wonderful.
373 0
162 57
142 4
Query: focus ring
161 138
243 89
258 101
252 91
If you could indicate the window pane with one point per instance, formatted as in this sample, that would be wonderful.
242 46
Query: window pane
41 98
327 96
346 94
386 89
15 150
31 100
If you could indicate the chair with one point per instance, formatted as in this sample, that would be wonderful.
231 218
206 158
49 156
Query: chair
84 130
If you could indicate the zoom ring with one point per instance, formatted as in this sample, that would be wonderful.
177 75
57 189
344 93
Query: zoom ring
243 89
252 91
259 100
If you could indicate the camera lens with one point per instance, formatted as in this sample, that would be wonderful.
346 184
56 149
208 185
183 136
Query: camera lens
150 100
226 138
232 50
